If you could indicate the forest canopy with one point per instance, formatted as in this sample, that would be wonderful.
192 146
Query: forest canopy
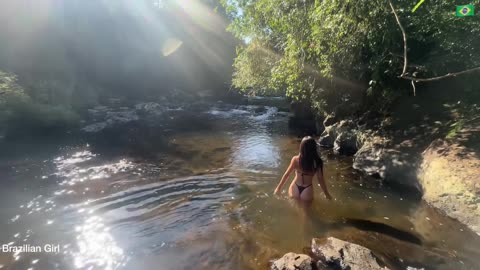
349 51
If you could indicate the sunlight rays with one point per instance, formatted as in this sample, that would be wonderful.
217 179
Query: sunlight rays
309 68
170 46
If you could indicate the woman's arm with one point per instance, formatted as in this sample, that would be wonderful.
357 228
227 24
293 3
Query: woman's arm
321 181
285 176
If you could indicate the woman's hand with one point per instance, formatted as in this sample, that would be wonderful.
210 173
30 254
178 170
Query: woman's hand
276 192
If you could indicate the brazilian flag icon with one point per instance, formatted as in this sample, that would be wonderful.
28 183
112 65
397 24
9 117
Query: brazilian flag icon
465 10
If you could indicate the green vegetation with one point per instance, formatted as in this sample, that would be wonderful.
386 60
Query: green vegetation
347 53
456 127
58 58
23 110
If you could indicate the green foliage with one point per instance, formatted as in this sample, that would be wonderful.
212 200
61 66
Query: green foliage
30 117
21 113
10 91
253 67
456 127
11 94
347 51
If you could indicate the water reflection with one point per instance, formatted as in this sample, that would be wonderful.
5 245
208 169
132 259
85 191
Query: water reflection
255 151
96 246
204 201
70 169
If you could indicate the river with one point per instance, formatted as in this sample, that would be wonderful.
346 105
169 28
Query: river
200 199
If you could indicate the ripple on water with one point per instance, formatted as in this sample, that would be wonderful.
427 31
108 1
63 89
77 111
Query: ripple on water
168 207
108 212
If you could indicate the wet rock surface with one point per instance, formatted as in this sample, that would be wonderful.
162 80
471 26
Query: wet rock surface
293 261
342 136
394 164
346 143
102 117
337 254
330 120
327 138
169 116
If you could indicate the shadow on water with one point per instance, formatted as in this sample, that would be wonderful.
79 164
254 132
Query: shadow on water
371 226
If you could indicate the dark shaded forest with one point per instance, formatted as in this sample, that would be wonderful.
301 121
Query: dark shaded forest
58 57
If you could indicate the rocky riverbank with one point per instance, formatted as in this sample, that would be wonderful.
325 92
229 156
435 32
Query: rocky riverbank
450 181
444 172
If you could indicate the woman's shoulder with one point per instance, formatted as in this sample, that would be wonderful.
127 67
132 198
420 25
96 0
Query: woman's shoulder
295 159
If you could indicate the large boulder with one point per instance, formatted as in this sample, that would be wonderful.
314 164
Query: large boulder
346 143
342 136
327 138
293 261
329 120
339 254
345 126
394 166
450 180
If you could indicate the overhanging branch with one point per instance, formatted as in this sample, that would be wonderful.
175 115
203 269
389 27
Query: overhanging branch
454 74
405 59
405 48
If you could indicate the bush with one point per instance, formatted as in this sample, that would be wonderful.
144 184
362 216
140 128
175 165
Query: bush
21 115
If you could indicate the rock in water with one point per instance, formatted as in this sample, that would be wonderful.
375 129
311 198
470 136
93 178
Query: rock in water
328 137
149 108
346 143
395 250
394 166
342 136
339 254
293 261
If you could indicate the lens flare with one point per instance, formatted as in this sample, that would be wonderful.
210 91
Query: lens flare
170 46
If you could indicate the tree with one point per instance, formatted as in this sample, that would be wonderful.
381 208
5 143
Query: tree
351 52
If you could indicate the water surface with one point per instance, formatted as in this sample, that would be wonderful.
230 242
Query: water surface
201 200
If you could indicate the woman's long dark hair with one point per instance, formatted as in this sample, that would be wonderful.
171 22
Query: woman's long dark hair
309 158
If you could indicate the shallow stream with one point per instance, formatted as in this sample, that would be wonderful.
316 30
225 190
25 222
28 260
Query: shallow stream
203 201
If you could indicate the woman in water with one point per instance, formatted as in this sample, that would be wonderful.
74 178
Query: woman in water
306 164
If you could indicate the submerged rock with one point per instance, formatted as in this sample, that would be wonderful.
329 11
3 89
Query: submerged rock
110 118
149 108
339 254
293 261
106 117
